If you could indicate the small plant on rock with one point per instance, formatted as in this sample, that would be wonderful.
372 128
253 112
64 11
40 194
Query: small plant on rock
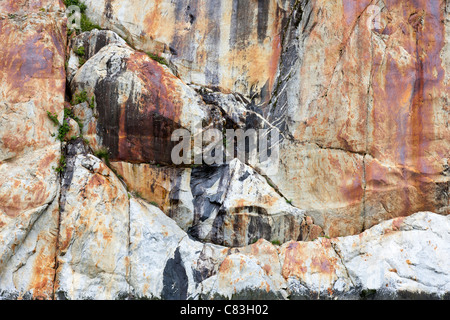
92 103
88 25
103 153
79 97
62 164
81 61
63 128
157 58
77 3
53 117
85 23
276 242
79 51
154 203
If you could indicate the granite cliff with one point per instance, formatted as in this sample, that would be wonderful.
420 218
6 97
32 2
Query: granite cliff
92 205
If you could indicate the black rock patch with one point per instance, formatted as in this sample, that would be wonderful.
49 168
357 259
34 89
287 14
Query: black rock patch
175 280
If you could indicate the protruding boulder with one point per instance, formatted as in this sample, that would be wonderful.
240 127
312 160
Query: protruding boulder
139 103
235 206
403 258
92 257
86 45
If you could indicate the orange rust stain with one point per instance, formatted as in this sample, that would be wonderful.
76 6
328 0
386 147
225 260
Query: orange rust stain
67 238
397 223
242 264
152 19
269 200
293 261
225 266
13 6
96 181
240 203
315 232
30 62
42 276
153 183
301 257
34 196
12 143
404 106
123 145
274 62
267 269
145 127
46 161
107 236
92 129
322 264
254 249
353 8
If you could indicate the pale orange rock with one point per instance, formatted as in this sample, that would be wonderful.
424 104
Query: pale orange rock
377 100
233 45
93 235
151 182
32 82
27 6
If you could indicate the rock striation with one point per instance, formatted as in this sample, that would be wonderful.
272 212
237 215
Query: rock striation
92 205
233 45
365 108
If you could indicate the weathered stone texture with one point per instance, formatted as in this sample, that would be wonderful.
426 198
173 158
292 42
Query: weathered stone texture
359 206
32 82
378 97
234 45
138 104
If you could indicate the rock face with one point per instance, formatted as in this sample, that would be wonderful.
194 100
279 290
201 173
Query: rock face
31 6
139 252
366 110
86 45
138 104
32 82
92 205
233 206
93 232
364 107
229 205
234 45
385 266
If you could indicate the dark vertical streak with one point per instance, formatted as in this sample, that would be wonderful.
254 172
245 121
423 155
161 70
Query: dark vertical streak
175 280
263 18
212 42
241 22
